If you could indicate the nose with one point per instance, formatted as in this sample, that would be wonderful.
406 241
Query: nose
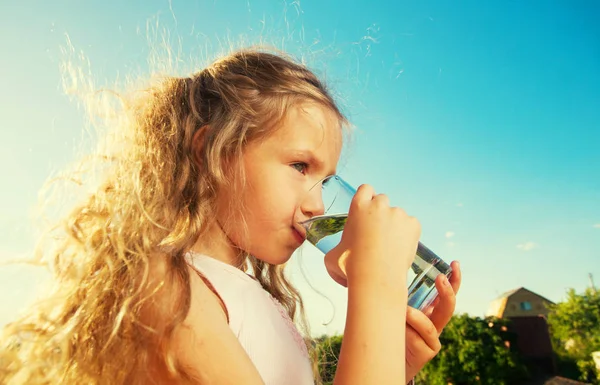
312 204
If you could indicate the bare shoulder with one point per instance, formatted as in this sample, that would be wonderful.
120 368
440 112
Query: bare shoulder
205 345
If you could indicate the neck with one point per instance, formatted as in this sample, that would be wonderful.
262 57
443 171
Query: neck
215 243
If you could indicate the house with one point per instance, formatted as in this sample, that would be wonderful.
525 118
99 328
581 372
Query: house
527 312
519 303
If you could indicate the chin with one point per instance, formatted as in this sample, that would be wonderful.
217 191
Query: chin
277 259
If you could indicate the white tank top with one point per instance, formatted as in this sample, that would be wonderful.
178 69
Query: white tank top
260 323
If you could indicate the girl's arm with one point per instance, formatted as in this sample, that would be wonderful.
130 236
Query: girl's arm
378 246
373 349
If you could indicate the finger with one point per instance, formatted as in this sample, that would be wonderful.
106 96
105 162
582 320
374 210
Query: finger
382 198
364 192
342 280
445 308
339 279
456 277
418 351
424 328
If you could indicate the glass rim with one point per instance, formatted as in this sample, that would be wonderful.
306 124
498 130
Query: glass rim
338 177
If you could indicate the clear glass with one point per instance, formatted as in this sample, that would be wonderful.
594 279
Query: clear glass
325 232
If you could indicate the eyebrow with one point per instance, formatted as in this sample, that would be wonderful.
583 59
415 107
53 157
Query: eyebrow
310 155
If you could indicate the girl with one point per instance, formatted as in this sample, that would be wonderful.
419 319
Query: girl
172 271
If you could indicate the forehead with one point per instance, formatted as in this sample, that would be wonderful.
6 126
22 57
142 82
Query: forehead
309 127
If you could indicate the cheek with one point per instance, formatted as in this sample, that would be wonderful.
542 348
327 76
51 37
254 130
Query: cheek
261 209
265 195
246 213
269 209
267 201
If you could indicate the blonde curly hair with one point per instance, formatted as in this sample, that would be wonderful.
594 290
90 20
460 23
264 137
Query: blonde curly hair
119 252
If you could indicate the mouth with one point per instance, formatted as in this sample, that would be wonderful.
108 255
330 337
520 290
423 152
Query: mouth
299 235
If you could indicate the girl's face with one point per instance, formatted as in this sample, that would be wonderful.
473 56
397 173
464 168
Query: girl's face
280 170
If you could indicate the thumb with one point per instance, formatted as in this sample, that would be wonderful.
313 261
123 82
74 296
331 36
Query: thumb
335 263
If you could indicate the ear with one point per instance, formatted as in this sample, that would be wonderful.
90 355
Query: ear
198 145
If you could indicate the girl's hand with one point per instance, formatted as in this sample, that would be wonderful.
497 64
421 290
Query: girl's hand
423 329
383 238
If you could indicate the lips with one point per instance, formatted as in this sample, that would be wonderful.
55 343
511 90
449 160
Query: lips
300 236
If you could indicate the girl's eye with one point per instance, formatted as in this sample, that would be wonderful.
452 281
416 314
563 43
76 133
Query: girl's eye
300 167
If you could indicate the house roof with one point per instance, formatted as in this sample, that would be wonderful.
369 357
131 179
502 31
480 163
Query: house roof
563 381
511 292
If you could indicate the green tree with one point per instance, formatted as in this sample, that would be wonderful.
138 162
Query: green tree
575 330
328 350
475 351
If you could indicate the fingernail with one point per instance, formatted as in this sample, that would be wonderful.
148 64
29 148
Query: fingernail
445 281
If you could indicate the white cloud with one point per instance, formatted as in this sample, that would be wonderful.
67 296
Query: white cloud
459 205
597 226
449 234
527 246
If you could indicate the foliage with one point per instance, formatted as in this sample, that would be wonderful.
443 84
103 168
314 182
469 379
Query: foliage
328 350
475 351
575 330
483 350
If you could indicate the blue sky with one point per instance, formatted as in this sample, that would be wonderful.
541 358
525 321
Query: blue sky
482 119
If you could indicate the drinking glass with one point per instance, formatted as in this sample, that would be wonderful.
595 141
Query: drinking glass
325 232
